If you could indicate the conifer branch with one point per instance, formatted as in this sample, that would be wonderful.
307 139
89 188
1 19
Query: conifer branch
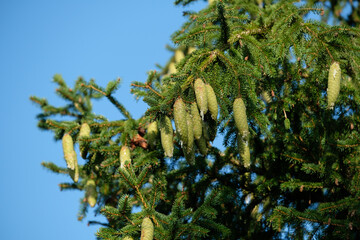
345 145
127 179
310 219
198 32
118 215
109 164
94 88
53 123
89 139
221 55
147 86
294 158
140 183
141 196
111 99
242 49
338 29
109 151
317 37
54 168
65 93
334 206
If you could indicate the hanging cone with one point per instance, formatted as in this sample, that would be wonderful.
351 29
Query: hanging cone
179 55
84 132
196 119
240 118
90 192
209 129
172 68
266 96
152 133
190 132
147 229
202 146
166 134
189 155
333 84
287 123
69 152
125 156
180 120
244 152
191 50
188 149
212 101
201 98
74 174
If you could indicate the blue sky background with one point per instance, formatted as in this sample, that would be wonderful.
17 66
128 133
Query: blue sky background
96 39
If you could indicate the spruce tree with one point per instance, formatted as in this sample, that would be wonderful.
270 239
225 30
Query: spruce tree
280 90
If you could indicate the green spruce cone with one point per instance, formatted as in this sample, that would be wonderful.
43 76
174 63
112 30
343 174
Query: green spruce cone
172 68
333 89
209 129
152 134
180 120
179 55
74 174
147 229
287 123
191 50
190 133
189 154
205 130
240 118
84 132
212 101
166 135
202 146
201 97
125 156
244 151
105 189
128 238
69 152
266 96
255 213
90 192
197 122
266 205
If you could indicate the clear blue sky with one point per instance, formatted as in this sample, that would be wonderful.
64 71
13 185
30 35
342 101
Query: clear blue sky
90 38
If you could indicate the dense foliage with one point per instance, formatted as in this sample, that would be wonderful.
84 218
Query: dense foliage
280 90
